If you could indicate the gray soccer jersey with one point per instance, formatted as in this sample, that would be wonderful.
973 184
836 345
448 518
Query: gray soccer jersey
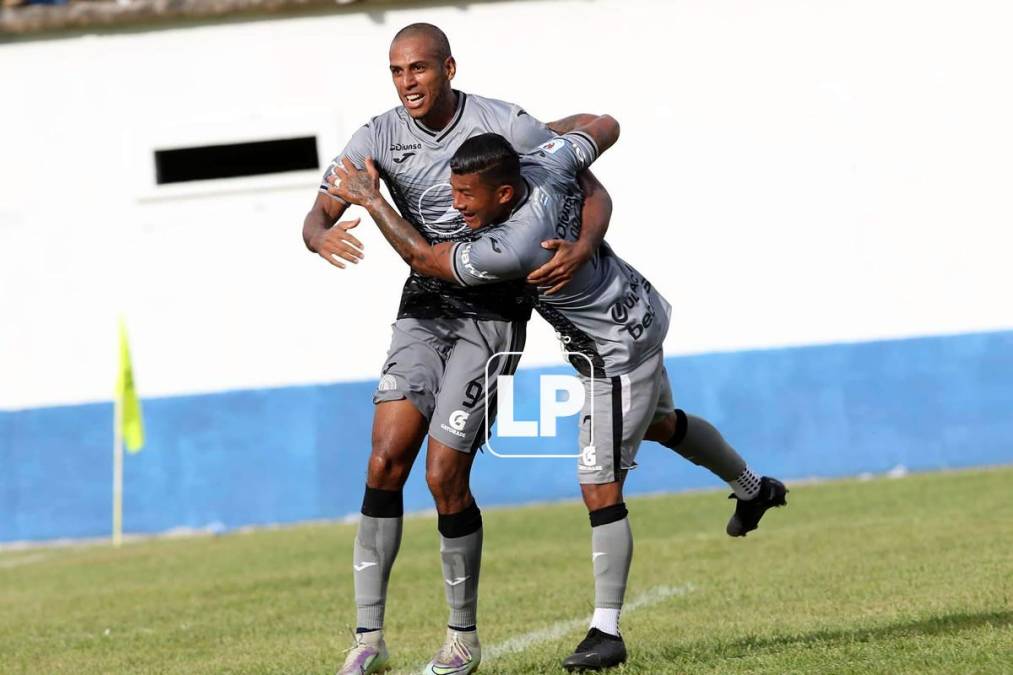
414 163
609 312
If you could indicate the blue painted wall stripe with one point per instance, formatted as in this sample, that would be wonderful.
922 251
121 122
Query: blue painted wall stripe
298 453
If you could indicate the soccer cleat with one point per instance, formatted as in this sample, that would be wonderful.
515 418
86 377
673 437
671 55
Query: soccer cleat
748 512
368 655
459 655
596 651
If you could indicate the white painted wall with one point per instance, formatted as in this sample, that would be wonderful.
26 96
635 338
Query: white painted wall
789 173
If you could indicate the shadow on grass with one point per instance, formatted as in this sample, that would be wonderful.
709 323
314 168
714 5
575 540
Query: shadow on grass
946 624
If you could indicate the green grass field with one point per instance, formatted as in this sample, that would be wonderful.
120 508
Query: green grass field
882 576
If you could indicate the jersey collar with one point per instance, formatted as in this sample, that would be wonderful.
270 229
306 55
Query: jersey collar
439 135
523 200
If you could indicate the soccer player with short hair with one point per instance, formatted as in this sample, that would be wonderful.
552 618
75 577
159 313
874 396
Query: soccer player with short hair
609 316
432 379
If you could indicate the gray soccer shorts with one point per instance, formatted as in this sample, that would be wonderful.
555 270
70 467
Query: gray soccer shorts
440 366
616 413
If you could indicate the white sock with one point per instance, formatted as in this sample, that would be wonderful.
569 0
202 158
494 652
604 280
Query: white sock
372 637
606 620
747 485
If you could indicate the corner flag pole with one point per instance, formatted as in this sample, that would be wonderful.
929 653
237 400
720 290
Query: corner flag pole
128 431
118 470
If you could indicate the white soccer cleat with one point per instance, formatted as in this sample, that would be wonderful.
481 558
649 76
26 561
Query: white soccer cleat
459 655
367 656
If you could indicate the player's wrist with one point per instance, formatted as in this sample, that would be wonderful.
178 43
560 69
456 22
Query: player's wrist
373 202
314 240
585 249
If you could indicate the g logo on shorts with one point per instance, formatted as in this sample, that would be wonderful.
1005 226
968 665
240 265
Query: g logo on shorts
458 419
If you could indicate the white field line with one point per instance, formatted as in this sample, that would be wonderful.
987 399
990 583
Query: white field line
525 641
22 560
557 630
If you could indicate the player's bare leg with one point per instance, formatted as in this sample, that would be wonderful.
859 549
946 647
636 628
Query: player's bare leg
398 430
611 555
697 440
448 473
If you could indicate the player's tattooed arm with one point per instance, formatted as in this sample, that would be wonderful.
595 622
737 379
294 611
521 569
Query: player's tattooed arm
363 189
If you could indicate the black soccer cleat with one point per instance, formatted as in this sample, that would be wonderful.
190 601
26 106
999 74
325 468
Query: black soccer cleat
748 512
597 651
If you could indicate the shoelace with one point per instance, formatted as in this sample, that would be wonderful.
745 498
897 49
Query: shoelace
590 641
356 639
447 651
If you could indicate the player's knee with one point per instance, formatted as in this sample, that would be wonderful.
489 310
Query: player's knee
444 480
387 471
598 497
450 498
449 488
434 479
661 430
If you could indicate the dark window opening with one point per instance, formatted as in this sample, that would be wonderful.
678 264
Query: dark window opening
236 159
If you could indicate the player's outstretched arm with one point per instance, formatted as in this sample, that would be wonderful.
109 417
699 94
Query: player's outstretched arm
331 243
363 189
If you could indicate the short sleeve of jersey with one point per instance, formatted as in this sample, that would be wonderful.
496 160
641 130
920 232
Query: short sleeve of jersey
358 148
526 132
488 260
570 153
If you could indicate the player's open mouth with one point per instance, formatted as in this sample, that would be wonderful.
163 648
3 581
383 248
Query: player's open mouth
413 100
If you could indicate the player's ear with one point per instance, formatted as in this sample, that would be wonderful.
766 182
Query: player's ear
450 65
504 194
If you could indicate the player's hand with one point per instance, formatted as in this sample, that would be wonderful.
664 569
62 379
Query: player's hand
557 272
353 185
337 244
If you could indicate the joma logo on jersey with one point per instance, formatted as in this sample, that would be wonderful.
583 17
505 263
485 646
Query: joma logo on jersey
407 148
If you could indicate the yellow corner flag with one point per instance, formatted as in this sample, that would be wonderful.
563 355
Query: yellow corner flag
131 419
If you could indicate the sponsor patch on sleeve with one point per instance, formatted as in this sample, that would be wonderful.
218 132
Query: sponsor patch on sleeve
551 146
